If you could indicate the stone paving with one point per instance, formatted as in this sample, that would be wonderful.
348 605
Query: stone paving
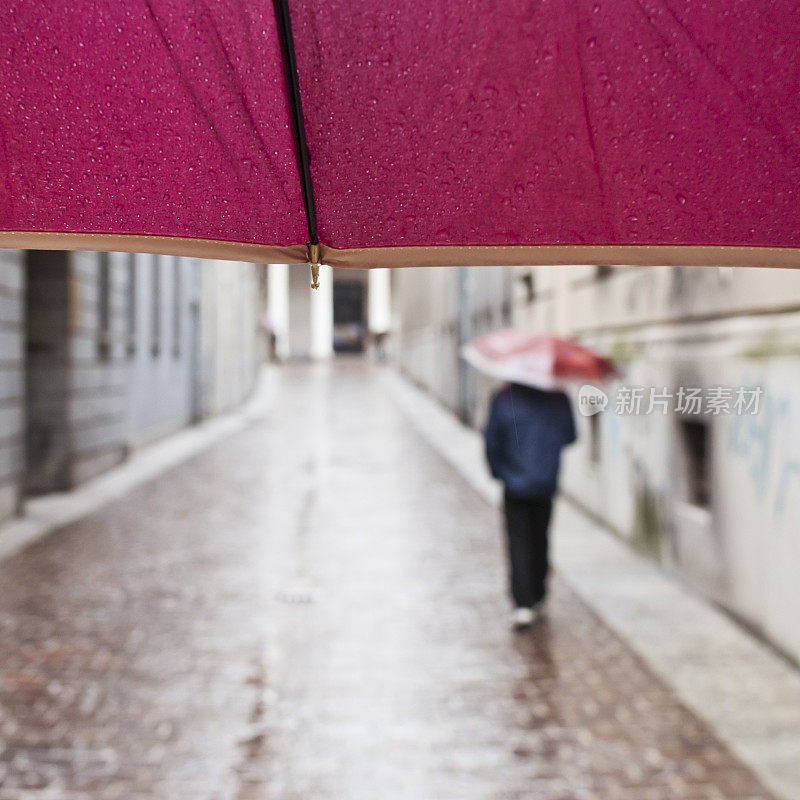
315 608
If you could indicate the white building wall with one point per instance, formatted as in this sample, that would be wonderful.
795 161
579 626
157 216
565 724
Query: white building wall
429 327
379 300
231 332
162 359
321 315
301 317
669 327
744 550
86 374
299 344
278 307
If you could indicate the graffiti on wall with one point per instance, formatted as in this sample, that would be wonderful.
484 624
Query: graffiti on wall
765 446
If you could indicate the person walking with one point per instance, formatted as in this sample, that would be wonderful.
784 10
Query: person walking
525 433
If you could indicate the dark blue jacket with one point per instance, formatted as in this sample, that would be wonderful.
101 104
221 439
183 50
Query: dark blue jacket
524 435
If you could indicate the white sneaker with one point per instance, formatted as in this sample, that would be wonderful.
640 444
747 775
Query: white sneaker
523 617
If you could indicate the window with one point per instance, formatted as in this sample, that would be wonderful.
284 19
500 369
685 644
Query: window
155 306
603 271
176 306
696 436
104 305
528 286
130 308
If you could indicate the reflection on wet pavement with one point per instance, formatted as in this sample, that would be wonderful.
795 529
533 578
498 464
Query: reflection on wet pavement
315 608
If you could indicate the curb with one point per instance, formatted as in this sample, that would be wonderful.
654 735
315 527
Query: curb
47 513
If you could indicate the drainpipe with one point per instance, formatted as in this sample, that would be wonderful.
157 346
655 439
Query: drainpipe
465 334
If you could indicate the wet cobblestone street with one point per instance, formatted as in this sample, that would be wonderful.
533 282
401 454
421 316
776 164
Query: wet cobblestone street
315 609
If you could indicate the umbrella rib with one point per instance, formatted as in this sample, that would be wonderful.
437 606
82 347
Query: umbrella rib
296 115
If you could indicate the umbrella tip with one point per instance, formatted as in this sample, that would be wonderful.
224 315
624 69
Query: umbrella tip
313 260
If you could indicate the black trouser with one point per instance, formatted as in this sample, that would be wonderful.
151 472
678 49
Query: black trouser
527 522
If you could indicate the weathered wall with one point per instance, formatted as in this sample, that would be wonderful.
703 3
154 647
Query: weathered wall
672 328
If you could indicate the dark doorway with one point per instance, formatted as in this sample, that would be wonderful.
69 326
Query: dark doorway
47 358
698 465
349 329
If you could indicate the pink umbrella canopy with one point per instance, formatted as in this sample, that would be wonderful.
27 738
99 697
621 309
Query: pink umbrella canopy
404 133
541 360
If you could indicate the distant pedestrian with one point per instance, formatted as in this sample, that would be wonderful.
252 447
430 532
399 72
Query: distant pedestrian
525 434
271 337
379 338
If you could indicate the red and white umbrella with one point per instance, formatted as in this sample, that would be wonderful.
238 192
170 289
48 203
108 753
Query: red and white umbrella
535 359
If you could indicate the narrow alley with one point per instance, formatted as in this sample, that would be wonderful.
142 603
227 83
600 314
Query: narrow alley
314 609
